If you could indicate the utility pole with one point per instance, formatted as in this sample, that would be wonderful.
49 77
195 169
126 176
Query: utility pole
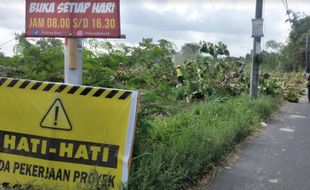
307 53
257 34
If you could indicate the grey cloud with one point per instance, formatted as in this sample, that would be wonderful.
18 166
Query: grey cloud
214 21
230 24
12 16
238 45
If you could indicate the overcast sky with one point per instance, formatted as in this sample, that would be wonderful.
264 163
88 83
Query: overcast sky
179 21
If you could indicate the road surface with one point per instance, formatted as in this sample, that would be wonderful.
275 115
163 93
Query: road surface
278 159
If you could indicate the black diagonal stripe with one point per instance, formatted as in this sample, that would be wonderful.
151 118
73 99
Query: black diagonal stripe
125 95
86 91
112 94
99 92
73 89
2 80
24 84
13 83
61 88
36 86
48 87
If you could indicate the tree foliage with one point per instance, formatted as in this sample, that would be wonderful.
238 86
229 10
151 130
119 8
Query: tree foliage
294 52
208 68
42 60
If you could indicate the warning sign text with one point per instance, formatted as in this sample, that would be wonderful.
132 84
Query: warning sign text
86 153
59 174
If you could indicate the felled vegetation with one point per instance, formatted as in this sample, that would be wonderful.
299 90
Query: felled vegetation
290 86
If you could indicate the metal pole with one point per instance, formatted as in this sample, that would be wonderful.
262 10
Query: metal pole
256 54
306 54
73 61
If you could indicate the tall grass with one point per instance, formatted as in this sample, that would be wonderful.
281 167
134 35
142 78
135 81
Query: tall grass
171 153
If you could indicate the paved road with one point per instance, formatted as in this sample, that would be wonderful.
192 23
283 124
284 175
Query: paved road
278 159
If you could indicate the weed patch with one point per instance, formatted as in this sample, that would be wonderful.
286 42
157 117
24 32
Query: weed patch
173 152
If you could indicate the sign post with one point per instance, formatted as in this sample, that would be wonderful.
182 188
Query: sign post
73 20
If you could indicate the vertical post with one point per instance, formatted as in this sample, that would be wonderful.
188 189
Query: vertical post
73 61
307 53
72 50
256 54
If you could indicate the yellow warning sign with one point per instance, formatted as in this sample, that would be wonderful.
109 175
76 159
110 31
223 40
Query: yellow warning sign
56 117
65 135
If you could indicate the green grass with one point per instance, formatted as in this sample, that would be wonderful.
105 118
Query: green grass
171 153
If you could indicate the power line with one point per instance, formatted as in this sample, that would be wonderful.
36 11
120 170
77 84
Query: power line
7 42
5 37
285 4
